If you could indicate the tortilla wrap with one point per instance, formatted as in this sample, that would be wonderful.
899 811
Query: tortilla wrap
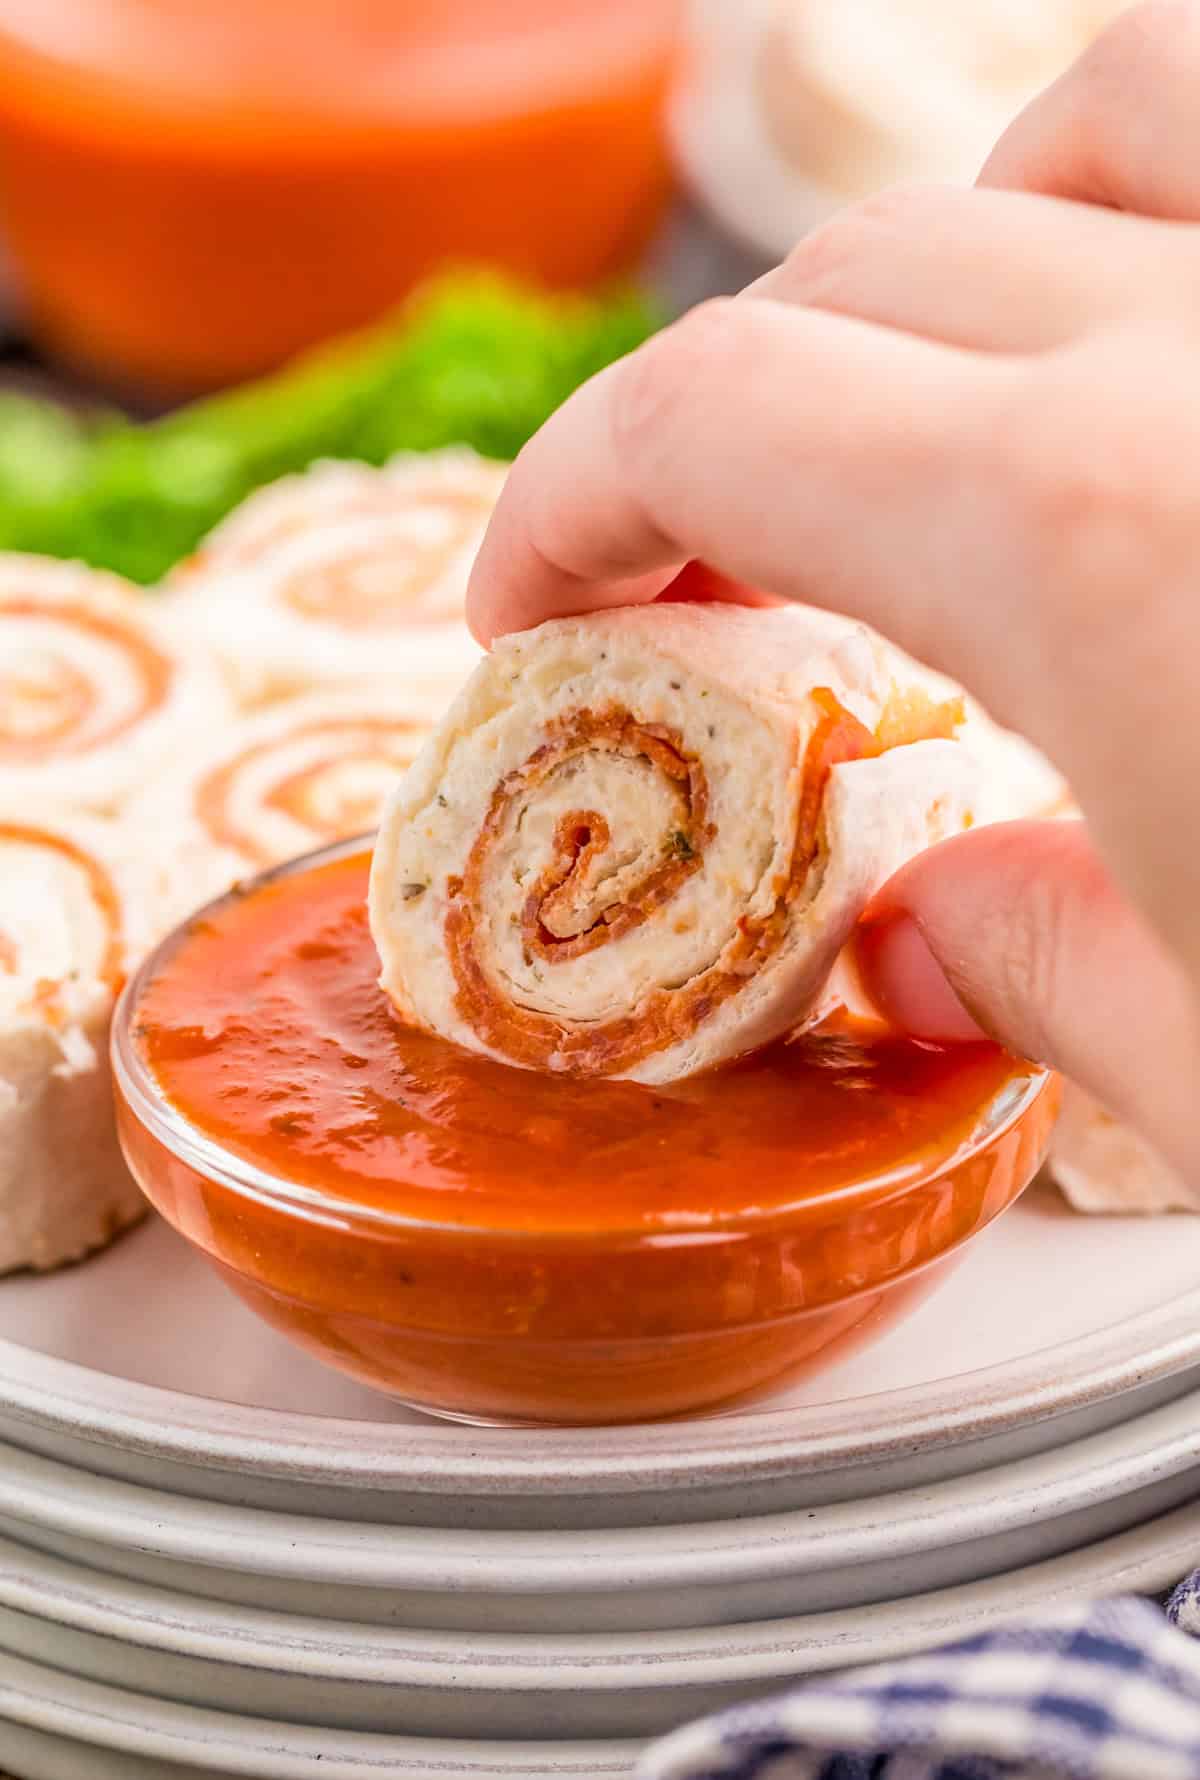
638 841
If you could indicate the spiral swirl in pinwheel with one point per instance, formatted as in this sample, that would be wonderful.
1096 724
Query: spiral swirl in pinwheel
93 693
637 842
70 910
286 780
342 573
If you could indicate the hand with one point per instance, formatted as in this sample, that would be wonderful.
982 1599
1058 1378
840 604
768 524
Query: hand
971 418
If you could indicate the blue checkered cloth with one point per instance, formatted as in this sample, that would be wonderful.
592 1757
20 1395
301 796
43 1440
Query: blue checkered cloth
1109 1691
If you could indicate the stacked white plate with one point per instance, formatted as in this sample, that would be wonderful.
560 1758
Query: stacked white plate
218 1558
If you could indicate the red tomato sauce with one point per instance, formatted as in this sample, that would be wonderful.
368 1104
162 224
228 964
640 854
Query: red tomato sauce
498 1243
271 1033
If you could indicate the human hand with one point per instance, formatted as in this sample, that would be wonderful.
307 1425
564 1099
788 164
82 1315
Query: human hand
972 419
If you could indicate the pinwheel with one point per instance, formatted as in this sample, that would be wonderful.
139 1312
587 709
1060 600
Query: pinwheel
638 841
343 573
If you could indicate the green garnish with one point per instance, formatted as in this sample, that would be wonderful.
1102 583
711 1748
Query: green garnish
681 845
472 359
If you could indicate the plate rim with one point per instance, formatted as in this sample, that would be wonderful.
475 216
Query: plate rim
78 1711
62 1397
115 1514
1145 1559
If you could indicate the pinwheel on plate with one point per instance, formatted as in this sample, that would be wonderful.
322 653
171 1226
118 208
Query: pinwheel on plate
788 109
341 573
1102 1165
73 910
288 779
93 691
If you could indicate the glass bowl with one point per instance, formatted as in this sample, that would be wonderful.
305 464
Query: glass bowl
195 190
568 1326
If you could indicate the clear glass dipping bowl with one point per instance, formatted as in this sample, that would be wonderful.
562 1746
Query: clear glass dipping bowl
501 1326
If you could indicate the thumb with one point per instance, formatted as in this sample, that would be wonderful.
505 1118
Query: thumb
1019 931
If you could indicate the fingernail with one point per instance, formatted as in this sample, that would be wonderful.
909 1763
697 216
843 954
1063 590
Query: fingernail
907 984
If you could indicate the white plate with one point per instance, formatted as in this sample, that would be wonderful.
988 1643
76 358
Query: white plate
704 1574
56 1727
141 1365
722 145
337 1676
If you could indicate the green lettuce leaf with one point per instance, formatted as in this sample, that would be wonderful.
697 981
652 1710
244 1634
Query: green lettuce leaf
472 359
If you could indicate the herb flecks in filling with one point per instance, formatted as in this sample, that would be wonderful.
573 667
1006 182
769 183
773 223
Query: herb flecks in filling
665 1016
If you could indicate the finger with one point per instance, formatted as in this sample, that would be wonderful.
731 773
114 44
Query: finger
697 584
1000 271
803 453
1018 930
997 516
1119 128
907 984
692 584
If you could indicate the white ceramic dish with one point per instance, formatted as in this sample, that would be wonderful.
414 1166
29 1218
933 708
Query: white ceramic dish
721 143
342 1677
700 1574
56 1727
141 1365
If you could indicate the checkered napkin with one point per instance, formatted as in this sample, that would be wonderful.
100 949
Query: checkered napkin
1109 1691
